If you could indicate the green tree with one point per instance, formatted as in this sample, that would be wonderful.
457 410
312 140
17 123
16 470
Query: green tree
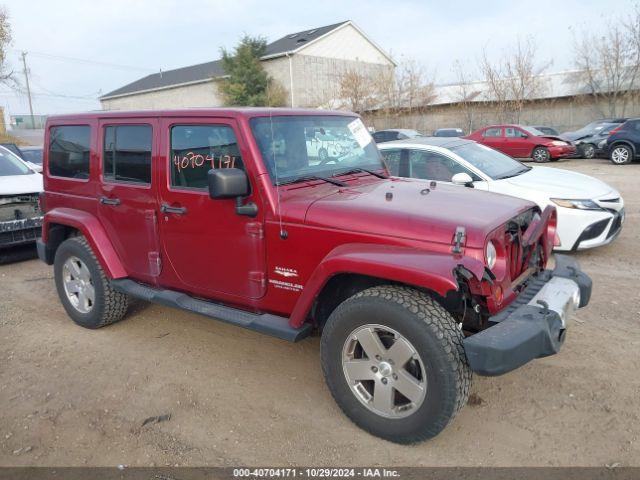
247 83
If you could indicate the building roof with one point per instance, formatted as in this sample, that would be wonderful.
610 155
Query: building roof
206 71
294 41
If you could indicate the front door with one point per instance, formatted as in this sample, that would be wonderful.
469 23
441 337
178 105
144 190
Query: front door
127 197
516 143
208 249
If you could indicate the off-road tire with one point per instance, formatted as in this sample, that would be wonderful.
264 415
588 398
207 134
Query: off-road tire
541 155
622 160
436 338
109 305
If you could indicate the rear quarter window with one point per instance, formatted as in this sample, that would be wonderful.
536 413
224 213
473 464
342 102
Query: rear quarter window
69 151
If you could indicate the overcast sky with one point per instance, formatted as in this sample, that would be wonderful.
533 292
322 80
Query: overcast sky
127 39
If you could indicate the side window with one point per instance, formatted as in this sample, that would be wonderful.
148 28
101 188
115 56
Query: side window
69 149
127 153
492 132
514 132
392 161
434 166
196 149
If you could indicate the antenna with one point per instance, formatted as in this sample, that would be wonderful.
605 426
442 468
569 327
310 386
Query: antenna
283 232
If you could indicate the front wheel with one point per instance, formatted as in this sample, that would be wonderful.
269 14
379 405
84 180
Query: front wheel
541 155
394 362
621 155
588 151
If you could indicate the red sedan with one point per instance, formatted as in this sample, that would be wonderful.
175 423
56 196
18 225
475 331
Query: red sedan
520 141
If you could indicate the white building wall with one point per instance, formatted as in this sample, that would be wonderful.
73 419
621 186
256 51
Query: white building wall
346 43
196 95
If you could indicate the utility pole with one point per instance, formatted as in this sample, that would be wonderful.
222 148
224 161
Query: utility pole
26 78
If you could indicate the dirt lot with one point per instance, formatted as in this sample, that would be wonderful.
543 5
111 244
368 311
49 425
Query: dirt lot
70 396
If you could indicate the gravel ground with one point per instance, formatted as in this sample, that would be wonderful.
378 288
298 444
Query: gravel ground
70 396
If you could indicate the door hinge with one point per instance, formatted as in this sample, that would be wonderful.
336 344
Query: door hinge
257 277
155 264
255 230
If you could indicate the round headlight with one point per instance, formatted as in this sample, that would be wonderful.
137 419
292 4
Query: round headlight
490 255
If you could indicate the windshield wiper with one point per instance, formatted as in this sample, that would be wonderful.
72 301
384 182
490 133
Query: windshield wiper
515 174
360 169
312 177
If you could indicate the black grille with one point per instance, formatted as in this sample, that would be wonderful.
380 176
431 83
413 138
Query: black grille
615 226
19 236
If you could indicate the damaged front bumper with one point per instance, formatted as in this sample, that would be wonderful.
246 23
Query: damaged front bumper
16 232
533 325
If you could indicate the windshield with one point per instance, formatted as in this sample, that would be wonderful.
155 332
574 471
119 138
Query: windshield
533 131
33 155
295 147
10 164
489 161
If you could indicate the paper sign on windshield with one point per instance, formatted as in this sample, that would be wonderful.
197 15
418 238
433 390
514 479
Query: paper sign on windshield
360 132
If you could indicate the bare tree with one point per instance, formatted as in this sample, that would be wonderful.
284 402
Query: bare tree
6 76
465 95
415 89
356 90
609 65
514 80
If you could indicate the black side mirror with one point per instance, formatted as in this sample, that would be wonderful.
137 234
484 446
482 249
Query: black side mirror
227 183
231 183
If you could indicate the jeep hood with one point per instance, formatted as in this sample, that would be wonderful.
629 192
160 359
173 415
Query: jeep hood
408 208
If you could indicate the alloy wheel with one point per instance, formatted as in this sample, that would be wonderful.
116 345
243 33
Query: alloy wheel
384 371
541 155
588 151
78 284
620 155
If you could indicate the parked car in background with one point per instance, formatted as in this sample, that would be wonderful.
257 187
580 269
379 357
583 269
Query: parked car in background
623 143
20 187
448 132
521 141
547 130
20 153
12 147
382 136
590 212
591 146
591 129
33 155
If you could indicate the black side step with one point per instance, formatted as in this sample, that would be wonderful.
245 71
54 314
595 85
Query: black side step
264 323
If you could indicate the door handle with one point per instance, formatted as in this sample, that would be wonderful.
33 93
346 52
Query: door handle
164 208
109 201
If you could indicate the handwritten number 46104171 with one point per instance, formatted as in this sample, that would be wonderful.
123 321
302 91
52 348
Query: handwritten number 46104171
197 160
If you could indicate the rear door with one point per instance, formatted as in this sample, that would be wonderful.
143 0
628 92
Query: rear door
208 249
494 137
127 194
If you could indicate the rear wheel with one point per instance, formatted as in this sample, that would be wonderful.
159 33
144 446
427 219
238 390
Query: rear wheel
541 155
621 155
394 361
83 287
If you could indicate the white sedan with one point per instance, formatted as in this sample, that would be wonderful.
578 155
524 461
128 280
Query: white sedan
590 212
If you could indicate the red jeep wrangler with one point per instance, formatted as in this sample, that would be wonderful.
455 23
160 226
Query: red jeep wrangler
235 215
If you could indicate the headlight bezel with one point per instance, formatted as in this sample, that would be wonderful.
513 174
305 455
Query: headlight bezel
576 203
490 254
